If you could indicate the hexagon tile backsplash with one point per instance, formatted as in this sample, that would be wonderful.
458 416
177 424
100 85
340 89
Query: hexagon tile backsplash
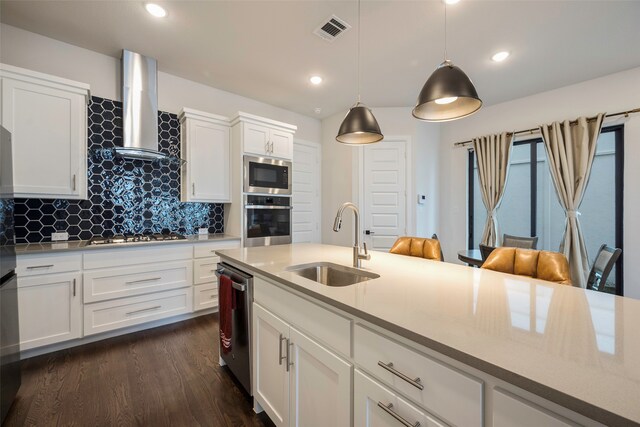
125 196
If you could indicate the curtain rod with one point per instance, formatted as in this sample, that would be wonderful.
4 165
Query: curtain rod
534 130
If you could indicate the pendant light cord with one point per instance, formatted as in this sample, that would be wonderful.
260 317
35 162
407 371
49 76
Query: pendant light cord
358 51
445 31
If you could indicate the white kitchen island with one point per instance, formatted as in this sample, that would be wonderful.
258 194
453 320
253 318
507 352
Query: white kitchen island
436 343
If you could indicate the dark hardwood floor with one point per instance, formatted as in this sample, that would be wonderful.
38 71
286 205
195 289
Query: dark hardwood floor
167 376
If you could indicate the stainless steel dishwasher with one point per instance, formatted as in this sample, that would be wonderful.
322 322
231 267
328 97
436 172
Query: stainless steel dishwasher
239 358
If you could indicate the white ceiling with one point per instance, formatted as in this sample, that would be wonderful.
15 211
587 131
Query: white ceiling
266 50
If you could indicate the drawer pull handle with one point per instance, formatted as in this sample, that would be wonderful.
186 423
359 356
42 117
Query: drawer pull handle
152 279
280 356
155 307
389 410
212 296
34 267
74 287
389 367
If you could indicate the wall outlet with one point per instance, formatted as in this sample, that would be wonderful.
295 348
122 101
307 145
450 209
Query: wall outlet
56 237
203 230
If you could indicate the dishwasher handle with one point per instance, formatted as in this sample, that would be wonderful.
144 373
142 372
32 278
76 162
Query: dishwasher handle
239 286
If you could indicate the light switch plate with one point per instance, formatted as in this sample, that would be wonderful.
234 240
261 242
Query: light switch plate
61 236
203 230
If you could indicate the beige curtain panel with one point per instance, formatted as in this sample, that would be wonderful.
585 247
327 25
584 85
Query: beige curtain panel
492 157
571 148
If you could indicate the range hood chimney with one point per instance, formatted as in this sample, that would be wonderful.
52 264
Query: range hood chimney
139 107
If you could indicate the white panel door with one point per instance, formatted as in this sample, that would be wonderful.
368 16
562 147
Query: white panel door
270 370
50 309
370 396
320 384
48 128
384 198
208 162
306 193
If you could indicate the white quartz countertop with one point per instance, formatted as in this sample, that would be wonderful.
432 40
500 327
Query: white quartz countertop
578 348
81 245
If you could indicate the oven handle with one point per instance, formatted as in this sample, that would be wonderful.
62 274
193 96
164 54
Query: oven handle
267 207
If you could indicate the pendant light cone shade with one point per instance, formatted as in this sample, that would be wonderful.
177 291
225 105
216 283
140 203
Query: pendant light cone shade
448 94
359 127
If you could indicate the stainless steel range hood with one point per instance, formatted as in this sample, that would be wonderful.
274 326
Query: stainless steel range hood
139 107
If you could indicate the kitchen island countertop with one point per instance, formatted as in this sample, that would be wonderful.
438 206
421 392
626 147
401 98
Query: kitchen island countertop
577 348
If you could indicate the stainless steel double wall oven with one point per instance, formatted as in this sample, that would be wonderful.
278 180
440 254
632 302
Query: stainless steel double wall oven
267 201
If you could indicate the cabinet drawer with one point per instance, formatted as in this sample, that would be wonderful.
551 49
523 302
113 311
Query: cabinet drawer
120 257
509 410
205 250
369 395
204 270
329 327
113 283
205 296
453 396
109 315
31 265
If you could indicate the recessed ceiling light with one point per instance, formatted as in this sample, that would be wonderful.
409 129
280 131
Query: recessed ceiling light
156 10
316 80
317 110
500 56
451 1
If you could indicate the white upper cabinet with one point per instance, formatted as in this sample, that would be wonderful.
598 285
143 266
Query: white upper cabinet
47 119
206 148
265 137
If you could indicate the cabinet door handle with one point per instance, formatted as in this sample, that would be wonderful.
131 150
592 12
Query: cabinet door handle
74 182
289 362
266 146
151 279
74 287
144 309
389 410
34 267
271 147
389 367
280 356
193 188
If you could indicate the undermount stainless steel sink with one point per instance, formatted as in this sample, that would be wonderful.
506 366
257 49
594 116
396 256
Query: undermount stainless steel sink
330 274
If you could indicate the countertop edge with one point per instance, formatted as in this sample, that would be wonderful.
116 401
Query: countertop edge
570 402
23 249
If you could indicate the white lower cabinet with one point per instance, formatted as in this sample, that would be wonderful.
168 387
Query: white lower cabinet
205 296
377 406
298 381
119 313
50 309
509 410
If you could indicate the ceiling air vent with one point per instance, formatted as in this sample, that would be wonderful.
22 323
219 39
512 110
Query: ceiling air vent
333 28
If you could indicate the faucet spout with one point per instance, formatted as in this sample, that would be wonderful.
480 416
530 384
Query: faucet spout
337 224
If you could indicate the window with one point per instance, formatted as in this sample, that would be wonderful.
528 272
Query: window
530 206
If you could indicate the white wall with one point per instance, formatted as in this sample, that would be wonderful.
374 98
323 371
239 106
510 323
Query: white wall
339 171
613 93
29 50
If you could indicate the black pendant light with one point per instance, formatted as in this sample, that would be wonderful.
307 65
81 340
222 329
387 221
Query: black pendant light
359 125
448 94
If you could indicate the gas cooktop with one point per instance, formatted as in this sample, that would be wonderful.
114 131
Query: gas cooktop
135 238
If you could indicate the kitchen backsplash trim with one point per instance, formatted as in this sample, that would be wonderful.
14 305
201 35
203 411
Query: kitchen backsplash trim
124 195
